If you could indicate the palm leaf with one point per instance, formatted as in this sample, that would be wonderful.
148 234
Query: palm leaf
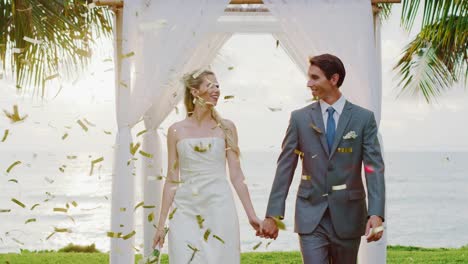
62 32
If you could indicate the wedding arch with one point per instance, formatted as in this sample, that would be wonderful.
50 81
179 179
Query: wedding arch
156 41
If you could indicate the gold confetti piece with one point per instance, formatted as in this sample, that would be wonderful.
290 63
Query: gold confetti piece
138 205
227 97
339 187
200 221
306 177
148 155
277 43
114 235
62 230
34 206
64 136
202 149
171 215
5 135
75 204
150 217
230 68
51 77
30 220
268 244
67 206
128 55
13 165
64 210
18 202
71 157
220 239
82 125
5 210
149 206
257 245
17 241
107 132
141 132
279 223
13 180
84 53
344 150
134 148
123 209
94 162
62 169
195 250
298 152
129 235
275 109
89 123
313 126
123 84
207 235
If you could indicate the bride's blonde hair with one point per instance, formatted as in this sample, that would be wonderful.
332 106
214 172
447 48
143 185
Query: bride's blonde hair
193 80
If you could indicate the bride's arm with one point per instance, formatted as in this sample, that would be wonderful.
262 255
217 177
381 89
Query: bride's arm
172 178
238 180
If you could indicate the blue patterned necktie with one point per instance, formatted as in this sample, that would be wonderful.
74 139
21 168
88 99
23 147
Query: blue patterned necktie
330 127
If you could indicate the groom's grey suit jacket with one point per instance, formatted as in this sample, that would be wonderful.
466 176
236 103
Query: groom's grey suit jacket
331 179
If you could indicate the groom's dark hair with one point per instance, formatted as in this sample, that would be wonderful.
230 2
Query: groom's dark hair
330 65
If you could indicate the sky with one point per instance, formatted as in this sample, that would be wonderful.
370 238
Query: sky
259 75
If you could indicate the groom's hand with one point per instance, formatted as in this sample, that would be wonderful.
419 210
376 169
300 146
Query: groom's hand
270 230
375 224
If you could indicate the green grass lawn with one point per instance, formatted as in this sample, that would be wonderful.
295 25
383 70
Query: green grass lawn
396 255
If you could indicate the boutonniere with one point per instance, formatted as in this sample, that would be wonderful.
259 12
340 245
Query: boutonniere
315 128
350 135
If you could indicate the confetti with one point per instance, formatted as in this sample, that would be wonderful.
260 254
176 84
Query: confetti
34 206
171 215
129 235
63 210
138 205
128 55
5 210
71 157
107 132
62 230
149 206
64 136
30 220
200 221
89 123
279 223
277 43
220 239
314 127
141 132
195 250
134 148
227 97
15 116
18 202
148 155
5 135
207 235
83 126
257 245
231 68
13 165
275 109
94 162
13 180
114 235
151 217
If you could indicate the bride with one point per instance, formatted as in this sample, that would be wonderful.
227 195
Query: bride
203 223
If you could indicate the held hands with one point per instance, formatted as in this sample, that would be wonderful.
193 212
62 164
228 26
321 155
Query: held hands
257 224
269 230
375 228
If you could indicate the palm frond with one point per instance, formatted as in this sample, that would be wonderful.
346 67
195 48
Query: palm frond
385 10
49 39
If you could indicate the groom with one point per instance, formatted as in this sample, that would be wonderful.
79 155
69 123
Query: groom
333 138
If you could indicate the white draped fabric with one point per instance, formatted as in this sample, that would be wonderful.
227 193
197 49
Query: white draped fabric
343 28
164 39
159 40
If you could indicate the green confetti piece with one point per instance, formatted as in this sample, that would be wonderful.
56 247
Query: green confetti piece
129 235
149 206
138 205
82 125
5 135
63 210
34 206
18 202
13 180
64 136
279 223
231 68
257 245
148 155
62 230
207 235
200 221
134 147
107 132
171 215
194 249
227 97
75 204
268 244
150 217
47 238
13 165
220 239
5 210
71 157
128 55
30 220
141 132
114 234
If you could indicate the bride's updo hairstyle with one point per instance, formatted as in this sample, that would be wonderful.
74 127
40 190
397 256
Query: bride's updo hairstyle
193 80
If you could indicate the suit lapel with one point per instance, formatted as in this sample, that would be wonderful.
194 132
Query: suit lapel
342 124
317 119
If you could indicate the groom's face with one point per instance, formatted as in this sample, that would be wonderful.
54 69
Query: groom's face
318 83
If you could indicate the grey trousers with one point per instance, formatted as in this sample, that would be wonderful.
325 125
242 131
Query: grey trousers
323 246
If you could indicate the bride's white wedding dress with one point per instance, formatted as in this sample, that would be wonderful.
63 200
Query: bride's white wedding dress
203 225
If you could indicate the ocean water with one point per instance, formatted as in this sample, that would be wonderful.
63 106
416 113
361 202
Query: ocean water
427 200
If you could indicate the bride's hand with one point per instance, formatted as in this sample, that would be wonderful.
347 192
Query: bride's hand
256 223
158 238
